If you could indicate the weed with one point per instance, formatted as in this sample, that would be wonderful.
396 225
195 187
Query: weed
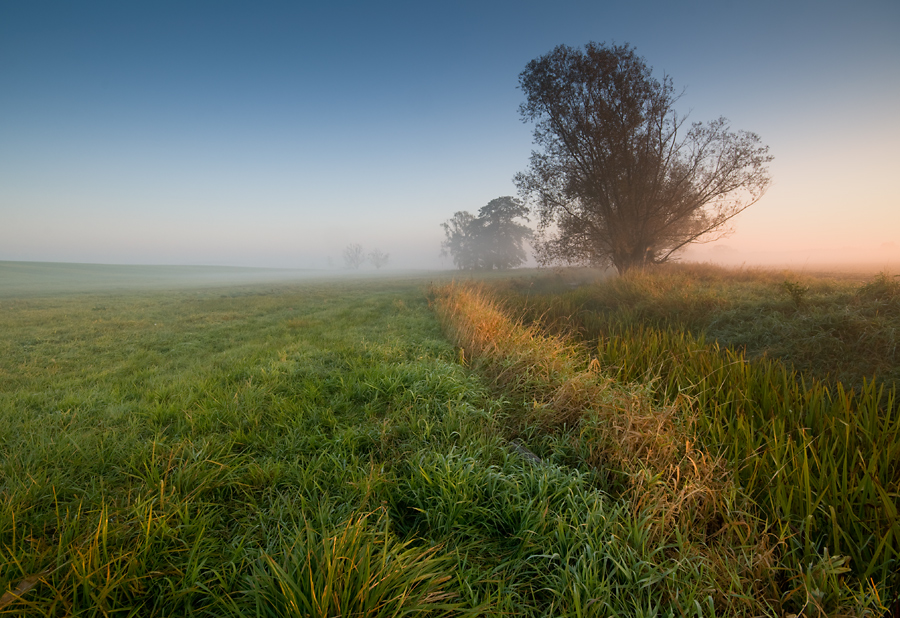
796 290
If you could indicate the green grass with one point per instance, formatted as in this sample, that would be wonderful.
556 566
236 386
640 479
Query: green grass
841 327
237 451
318 448
156 446
818 461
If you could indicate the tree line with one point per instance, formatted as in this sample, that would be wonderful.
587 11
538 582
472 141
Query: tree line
354 257
618 177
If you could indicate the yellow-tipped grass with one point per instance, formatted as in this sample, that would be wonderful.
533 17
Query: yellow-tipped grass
653 405
358 569
615 425
515 356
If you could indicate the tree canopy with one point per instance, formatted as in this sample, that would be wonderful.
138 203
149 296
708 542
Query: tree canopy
492 240
619 179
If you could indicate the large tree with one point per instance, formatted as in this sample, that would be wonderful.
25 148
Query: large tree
619 179
493 239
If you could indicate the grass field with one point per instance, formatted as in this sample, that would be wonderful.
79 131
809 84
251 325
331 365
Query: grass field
842 326
348 449
29 279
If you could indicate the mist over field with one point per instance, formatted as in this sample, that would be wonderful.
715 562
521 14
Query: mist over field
873 258
30 279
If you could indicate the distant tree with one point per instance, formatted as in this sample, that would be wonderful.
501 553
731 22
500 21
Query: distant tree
353 256
620 179
461 232
493 239
501 236
378 258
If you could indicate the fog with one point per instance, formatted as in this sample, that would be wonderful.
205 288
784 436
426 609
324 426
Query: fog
35 279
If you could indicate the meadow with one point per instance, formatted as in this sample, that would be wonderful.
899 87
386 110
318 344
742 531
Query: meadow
839 326
411 445
30 279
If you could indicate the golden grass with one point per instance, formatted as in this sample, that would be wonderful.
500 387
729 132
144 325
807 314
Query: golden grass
616 425
680 491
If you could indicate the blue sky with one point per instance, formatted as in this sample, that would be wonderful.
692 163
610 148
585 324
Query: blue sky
275 133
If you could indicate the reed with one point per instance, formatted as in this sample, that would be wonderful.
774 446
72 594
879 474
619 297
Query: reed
820 460
843 329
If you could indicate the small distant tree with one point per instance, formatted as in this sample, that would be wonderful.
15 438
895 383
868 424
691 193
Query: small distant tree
502 238
492 240
353 256
378 258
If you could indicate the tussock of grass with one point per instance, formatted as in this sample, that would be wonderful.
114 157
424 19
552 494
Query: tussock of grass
358 569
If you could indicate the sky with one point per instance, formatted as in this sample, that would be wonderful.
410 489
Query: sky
274 134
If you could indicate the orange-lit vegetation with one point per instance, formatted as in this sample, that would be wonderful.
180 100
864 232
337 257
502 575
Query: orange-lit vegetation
784 489
835 326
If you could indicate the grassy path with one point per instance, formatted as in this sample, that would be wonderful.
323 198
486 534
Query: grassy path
154 448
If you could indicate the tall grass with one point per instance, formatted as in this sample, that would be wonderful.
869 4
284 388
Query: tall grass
845 330
820 460
697 433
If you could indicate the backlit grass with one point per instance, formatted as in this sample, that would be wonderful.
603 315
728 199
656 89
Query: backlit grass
159 450
840 328
807 472
322 449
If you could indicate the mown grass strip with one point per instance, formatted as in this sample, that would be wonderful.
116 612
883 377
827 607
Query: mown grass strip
156 446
